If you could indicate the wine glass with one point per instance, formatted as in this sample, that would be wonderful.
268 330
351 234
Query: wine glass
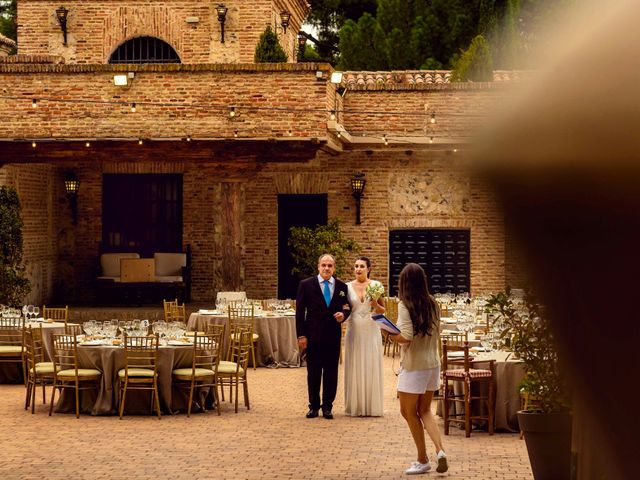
30 311
24 311
36 311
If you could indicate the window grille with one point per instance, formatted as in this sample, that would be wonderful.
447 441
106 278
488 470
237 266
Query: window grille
145 50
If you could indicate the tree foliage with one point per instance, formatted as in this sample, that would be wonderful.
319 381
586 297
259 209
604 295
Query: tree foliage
9 19
13 283
475 63
307 244
269 49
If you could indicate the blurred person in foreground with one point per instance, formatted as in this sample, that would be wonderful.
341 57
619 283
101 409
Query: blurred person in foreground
565 162
419 377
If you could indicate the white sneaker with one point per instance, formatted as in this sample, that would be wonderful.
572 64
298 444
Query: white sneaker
442 462
418 468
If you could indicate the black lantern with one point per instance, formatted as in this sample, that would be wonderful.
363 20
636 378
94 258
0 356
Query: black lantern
285 17
71 187
61 15
221 10
302 45
357 188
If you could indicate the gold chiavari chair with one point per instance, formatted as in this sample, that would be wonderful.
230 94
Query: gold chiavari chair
204 366
140 370
57 314
12 341
467 376
243 316
233 372
39 372
167 305
67 372
178 313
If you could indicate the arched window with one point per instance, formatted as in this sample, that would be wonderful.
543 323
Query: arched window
144 50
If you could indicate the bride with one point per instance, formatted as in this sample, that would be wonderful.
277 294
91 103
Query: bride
363 385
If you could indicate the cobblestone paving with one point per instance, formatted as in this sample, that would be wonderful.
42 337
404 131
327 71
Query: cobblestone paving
273 440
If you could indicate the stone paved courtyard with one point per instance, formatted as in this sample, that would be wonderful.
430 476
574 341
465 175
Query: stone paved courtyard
273 440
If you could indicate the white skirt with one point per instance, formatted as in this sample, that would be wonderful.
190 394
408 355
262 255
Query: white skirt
419 381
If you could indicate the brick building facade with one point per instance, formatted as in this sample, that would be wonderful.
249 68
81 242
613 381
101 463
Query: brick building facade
292 132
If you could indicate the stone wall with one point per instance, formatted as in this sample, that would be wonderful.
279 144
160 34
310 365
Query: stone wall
95 30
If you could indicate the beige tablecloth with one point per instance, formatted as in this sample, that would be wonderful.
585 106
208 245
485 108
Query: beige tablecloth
508 373
109 360
277 345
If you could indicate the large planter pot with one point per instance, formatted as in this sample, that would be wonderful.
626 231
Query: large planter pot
548 439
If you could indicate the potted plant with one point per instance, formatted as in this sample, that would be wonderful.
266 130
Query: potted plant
546 423
307 244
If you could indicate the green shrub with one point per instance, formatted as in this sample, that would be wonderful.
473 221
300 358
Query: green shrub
269 49
14 285
307 244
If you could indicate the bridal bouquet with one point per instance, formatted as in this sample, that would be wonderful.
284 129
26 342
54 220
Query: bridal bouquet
374 291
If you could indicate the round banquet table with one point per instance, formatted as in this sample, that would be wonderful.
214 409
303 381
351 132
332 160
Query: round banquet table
277 344
109 360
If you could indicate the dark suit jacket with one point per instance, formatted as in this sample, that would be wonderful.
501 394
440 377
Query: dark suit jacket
314 319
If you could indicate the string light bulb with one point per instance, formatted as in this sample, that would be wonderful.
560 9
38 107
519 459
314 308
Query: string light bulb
455 150
235 134
430 139
33 144
133 108
385 140
139 141
333 115
290 133
188 139
34 103
87 144
232 112
339 134
433 118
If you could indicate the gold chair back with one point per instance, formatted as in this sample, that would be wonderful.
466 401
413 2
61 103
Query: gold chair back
11 339
167 306
58 314
65 352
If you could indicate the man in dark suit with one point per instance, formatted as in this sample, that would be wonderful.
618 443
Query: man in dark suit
321 306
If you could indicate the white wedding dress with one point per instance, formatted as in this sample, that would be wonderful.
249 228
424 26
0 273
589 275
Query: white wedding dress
363 378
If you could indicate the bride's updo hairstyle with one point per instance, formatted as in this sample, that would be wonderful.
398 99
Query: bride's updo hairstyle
367 263
413 290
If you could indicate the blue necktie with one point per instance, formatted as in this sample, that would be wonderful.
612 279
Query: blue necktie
327 292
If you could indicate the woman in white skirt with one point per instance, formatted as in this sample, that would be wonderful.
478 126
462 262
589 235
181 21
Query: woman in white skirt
419 377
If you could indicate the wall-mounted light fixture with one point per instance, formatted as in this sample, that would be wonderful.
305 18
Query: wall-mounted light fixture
302 45
221 10
123 79
71 187
61 15
357 188
285 17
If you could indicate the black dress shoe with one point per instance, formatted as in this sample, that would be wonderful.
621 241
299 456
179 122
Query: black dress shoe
312 413
327 414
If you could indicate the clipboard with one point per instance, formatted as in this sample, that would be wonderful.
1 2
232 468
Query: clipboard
385 324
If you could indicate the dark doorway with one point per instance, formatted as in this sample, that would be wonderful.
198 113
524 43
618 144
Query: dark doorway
444 254
142 213
295 211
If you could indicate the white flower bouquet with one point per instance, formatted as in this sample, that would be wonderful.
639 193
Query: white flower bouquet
374 291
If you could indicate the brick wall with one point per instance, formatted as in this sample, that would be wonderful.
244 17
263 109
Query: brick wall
46 230
96 29
331 174
163 95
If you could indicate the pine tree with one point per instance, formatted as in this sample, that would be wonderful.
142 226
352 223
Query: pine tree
269 48
475 64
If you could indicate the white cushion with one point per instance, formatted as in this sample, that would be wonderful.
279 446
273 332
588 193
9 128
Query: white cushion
169 264
110 263
168 278
232 296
